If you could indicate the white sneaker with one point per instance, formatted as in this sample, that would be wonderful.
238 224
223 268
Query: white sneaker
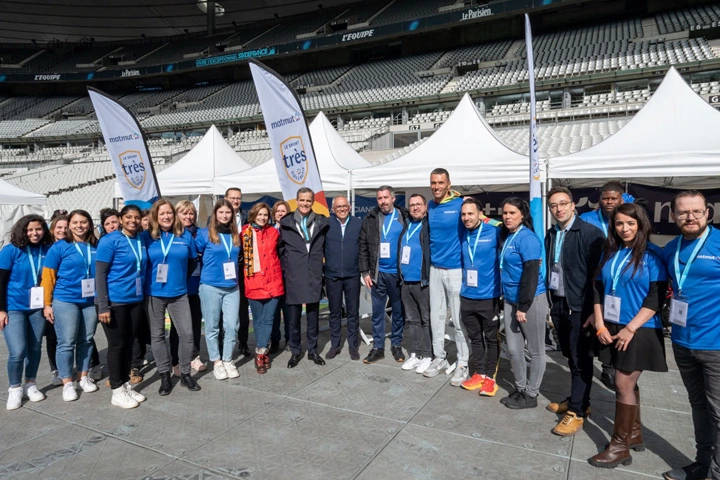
69 393
87 384
219 371
95 373
411 363
461 374
198 365
31 391
423 365
231 369
137 396
14 400
435 367
55 378
120 398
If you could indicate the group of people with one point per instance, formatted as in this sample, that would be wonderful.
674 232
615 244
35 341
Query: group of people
598 278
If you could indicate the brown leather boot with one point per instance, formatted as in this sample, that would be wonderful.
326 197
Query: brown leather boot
617 453
636 438
267 361
260 363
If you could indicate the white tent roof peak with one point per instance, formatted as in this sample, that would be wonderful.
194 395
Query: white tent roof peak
673 135
12 195
328 143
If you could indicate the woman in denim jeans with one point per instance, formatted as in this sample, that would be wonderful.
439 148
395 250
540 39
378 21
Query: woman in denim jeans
21 302
68 282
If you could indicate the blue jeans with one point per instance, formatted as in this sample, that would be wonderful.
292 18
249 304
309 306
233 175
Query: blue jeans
75 325
214 300
23 335
263 312
386 286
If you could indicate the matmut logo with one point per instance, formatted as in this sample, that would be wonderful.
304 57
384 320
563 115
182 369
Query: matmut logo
286 121
295 159
133 168
124 138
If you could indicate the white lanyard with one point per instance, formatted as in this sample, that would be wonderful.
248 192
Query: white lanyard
35 271
507 244
616 270
682 276
471 253
227 246
409 234
138 253
386 228
87 259
165 251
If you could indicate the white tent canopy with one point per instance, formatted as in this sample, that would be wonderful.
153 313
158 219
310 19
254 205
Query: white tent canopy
335 159
674 135
12 195
14 204
465 145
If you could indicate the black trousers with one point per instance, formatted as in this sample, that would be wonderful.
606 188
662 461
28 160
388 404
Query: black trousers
196 317
51 344
416 304
244 330
481 322
349 289
312 312
120 332
575 344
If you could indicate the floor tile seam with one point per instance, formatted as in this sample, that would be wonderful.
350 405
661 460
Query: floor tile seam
31 439
618 469
346 410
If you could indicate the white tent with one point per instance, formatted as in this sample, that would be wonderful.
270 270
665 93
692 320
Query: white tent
335 158
465 145
674 135
14 204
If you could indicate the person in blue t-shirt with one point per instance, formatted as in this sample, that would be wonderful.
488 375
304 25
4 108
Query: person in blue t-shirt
629 291
219 246
69 286
526 305
480 297
120 274
171 260
21 304
693 262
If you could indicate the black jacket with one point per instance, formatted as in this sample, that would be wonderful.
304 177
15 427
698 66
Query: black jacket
580 256
303 269
424 243
341 253
370 240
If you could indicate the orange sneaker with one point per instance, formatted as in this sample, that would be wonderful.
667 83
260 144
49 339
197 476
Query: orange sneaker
489 388
474 383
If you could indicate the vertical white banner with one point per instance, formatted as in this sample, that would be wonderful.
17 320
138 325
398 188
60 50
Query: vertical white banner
128 152
536 206
289 136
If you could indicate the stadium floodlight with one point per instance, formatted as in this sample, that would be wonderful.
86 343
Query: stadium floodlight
219 9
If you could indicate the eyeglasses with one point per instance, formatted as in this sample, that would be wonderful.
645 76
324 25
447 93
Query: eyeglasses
417 205
555 206
694 213
341 207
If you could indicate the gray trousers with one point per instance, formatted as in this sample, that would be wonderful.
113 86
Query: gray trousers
416 303
179 310
532 331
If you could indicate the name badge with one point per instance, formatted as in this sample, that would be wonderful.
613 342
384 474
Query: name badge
385 250
229 269
612 309
138 287
37 297
678 312
405 255
162 273
196 272
554 280
471 277
88 287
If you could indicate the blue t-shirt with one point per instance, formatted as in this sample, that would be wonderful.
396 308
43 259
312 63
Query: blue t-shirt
390 233
445 231
16 261
522 246
595 218
71 268
179 252
412 271
633 286
484 261
116 250
214 256
701 291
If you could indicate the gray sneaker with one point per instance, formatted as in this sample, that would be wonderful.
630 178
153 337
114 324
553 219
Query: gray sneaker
435 367
461 374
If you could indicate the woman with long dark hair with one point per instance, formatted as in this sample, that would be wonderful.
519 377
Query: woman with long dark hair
525 302
69 285
629 292
21 305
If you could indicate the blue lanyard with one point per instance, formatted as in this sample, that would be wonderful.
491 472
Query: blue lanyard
681 277
165 251
35 271
386 228
616 270
227 246
303 226
471 253
409 234
559 240
138 253
603 223
87 259
507 244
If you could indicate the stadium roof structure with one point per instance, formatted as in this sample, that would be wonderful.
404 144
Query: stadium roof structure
673 135
466 146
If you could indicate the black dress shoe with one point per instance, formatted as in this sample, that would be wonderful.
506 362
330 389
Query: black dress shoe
244 350
374 355
315 357
354 354
187 381
294 360
166 385
608 380
332 353
397 353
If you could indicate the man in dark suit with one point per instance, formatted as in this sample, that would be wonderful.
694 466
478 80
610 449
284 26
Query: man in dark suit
301 253
342 276
234 195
